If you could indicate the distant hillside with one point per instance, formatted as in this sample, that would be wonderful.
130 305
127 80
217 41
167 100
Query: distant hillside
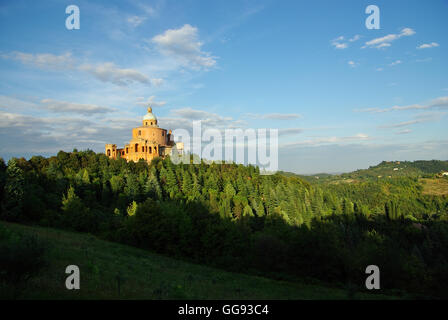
145 275
386 169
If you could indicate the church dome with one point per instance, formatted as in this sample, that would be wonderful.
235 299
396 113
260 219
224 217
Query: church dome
149 115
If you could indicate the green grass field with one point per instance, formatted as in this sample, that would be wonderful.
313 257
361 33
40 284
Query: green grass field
145 275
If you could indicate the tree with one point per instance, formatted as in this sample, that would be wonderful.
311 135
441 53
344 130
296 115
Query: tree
75 214
13 191
132 209
152 187
85 177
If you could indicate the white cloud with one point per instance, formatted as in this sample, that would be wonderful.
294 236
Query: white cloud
405 131
71 107
326 140
151 101
182 118
109 72
428 45
441 102
385 41
419 118
338 44
395 62
355 38
276 116
106 72
341 43
42 60
289 131
401 124
353 64
135 21
183 44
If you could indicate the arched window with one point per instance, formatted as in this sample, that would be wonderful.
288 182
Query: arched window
155 149
163 133
150 151
136 147
151 123
108 152
139 132
127 150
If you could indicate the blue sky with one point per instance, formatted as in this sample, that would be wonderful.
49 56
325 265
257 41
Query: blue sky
342 96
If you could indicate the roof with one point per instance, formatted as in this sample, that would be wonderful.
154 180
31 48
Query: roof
149 116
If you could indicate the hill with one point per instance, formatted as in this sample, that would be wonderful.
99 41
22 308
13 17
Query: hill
231 217
145 275
384 170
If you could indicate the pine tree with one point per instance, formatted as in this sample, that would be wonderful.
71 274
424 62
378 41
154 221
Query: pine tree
13 191
85 177
152 187
186 183
247 212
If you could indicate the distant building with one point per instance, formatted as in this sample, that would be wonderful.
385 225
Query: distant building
148 141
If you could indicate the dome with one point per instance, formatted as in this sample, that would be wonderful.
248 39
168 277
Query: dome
149 115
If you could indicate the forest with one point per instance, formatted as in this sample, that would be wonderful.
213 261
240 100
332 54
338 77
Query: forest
231 217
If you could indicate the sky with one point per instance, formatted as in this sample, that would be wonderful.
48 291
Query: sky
343 97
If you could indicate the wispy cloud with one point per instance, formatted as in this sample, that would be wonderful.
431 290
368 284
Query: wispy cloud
386 41
356 37
420 118
428 45
342 43
183 117
276 116
42 60
151 100
135 21
441 102
353 64
105 72
109 72
338 44
405 131
326 140
183 44
289 131
71 107
395 63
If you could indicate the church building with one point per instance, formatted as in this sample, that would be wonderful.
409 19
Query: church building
148 141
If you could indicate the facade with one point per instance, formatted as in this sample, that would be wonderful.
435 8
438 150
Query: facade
148 141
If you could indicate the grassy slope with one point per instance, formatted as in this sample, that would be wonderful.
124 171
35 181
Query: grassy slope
148 275
437 186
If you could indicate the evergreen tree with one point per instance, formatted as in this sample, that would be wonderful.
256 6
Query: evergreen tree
13 191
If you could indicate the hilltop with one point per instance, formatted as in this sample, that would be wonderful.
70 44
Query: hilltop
385 169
